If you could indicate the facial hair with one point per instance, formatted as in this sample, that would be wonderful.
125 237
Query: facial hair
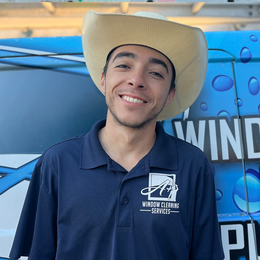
154 113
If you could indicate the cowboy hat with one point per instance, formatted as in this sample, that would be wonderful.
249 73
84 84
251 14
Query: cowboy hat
183 45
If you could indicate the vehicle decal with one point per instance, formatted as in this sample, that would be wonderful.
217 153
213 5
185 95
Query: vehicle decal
11 177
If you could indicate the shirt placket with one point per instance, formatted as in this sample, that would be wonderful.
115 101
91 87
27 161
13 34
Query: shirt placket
123 234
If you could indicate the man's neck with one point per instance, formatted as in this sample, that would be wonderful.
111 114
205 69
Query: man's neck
125 145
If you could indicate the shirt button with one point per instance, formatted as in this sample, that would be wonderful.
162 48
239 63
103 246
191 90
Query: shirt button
125 201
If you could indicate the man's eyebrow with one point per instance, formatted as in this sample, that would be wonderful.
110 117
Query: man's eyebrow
125 54
134 56
160 62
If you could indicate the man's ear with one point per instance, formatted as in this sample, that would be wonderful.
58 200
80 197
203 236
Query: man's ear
103 83
170 97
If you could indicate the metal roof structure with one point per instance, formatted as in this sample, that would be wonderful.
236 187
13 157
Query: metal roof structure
43 19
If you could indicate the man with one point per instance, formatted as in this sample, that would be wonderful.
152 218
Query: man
127 190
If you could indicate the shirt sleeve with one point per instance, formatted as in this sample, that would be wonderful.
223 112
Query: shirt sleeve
24 232
206 240
45 230
36 231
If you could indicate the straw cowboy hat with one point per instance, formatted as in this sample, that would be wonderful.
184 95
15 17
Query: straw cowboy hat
183 45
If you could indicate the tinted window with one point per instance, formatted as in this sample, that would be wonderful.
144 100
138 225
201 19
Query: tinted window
40 107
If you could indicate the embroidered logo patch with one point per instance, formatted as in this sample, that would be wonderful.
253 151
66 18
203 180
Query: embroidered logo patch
163 188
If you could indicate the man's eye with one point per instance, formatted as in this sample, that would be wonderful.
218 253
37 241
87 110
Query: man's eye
157 74
122 66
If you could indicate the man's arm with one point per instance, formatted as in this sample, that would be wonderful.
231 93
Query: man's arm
44 241
206 240
24 232
37 218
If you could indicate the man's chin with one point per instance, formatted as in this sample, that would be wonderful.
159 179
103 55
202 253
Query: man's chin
134 124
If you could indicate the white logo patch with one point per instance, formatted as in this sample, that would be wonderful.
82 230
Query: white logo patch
162 187
159 182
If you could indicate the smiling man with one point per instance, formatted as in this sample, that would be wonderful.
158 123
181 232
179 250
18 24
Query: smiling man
137 86
140 76
127 190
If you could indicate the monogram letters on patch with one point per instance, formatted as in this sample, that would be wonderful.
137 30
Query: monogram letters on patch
161 194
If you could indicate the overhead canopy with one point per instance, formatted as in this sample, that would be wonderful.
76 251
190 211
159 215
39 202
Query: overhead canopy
65 19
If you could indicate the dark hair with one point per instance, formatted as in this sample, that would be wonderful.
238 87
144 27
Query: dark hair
172 87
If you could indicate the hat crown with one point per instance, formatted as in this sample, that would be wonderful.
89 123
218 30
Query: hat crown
150 15
184 46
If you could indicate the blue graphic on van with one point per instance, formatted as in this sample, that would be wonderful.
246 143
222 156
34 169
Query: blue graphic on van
222 83
11 177
224 113
253 38
238 102
253 86
245 55
253 187
219 194
204 106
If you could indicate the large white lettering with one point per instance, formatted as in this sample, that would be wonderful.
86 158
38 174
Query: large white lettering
249 122
213 140
220 138
191 136
227 136
252 242
179 130
244 240
225 239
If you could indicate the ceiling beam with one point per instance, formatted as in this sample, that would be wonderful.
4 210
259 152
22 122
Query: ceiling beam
60 19
165 9
76 22
49 7
196 7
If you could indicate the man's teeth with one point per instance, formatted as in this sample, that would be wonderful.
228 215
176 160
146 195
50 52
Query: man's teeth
132 100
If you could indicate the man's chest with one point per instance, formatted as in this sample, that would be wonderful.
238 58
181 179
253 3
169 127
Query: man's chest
101 198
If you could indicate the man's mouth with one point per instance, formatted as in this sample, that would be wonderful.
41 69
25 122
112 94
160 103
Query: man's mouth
132 100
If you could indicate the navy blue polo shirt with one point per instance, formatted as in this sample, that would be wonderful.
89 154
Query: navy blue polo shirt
88 207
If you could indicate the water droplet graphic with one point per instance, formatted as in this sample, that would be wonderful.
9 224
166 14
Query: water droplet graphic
245 55
253 38
239 196
253 86
253 172
253 187
242 258
222 83
224 113
203 106
238 102
219 194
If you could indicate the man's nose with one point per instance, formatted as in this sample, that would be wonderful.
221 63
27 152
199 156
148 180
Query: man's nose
137 79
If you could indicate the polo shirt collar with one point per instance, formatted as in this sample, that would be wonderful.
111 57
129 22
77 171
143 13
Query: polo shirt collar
92 153
163 155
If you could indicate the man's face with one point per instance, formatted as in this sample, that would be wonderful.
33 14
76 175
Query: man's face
136 85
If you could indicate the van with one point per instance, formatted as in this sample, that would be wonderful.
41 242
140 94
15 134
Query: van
48 96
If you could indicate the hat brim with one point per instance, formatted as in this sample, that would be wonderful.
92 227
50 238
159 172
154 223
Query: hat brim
184 45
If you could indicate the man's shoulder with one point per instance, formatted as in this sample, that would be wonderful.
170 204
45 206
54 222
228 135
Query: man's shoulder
63 148
68 143
184 146
189 154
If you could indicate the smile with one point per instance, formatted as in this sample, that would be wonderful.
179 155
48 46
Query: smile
132 100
